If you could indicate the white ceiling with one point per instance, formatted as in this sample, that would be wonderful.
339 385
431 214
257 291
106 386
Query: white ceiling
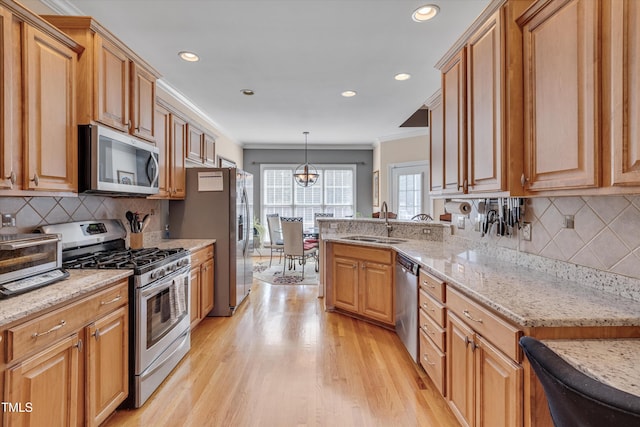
297 55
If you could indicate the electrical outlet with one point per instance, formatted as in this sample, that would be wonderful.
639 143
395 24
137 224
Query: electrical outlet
569 221
426 231
333 225
526 231
461 223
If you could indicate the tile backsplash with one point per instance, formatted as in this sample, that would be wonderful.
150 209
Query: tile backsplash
606 233
31 212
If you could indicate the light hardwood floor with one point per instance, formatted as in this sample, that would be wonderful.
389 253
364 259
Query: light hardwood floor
281 360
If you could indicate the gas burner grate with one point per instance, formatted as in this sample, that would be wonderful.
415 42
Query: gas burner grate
139 259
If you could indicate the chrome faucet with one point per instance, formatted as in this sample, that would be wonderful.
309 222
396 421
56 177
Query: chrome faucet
385 209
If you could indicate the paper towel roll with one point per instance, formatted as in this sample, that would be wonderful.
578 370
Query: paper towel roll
461 208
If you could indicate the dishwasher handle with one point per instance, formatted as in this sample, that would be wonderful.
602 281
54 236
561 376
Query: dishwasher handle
410 265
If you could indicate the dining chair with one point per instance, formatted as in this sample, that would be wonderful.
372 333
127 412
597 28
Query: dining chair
276 242
295 248
574 398
422 217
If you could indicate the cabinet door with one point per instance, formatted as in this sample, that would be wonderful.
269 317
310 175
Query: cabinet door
51 133
484 108
436 145
376 288
560 39
194 298
49 382
163 137
194 144
345 284
209 150
178 143
206 288
453 102
623 81
499 388
107 365
460 370
143 101
6 149
112 78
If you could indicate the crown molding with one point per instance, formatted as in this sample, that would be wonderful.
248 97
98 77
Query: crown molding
62 7
412 134
317 147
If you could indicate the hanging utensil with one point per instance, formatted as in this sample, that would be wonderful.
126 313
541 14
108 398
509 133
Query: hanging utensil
130 218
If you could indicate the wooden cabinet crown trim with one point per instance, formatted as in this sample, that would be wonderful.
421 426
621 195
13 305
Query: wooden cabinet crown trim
25 15
479 21
87 22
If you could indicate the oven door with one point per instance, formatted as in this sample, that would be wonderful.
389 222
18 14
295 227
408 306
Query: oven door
162 315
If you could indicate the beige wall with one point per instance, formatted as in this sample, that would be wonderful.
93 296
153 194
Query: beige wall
402 150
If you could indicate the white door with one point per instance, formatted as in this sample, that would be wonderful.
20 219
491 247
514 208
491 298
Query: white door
409 189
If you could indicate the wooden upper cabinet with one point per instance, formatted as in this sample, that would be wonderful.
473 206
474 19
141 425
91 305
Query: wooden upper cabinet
178 143
112 79
209 154
453 104
6 149
621 77
162 133
116 87
561 96
485 151
194 143
143 101
49 106
436 143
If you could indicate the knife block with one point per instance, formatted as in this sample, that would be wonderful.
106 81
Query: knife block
136 240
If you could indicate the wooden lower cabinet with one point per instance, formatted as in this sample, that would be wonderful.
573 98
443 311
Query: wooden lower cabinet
363 282
74 372
45 386
484 387
202 296
107 365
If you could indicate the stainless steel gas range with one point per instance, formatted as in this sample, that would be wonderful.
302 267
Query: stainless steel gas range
158 297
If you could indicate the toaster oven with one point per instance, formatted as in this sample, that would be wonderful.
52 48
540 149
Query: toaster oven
28 261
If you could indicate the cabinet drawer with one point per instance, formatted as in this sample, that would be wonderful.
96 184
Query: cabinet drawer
434 286
382 256
201 255
491 327
433 308
48 328
433 361
432 329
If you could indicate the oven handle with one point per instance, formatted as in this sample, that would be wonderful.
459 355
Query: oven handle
20 245
164 282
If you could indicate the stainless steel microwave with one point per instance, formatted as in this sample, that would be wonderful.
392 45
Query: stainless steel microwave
112 162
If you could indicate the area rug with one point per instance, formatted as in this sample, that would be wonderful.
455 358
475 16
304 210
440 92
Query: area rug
261 271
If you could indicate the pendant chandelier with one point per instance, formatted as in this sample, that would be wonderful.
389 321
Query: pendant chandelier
306 174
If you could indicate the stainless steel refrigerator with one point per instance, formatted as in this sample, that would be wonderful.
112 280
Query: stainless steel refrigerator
219 205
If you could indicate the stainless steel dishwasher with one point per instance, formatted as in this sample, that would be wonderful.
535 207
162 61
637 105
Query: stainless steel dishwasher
407 304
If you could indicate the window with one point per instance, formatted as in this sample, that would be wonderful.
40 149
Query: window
334 192
409 190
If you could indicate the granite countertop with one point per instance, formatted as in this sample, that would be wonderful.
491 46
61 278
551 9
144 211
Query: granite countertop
613 361
527 297
79 283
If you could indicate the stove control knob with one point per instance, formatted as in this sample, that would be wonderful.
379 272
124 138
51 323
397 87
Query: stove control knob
171 268
157 274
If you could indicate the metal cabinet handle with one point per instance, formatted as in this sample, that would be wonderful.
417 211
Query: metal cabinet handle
426 307
468 341
429 285
96 334
79 346
128 124
523 180
53 329
36 179
426 358
116 299
470 317
12 178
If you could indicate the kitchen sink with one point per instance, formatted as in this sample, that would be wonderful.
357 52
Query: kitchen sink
375 239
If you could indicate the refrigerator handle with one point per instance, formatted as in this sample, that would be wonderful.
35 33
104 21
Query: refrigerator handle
245 201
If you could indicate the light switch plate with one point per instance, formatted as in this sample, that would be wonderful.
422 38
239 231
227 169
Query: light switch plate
461 222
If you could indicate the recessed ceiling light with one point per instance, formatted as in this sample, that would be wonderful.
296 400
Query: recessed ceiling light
188 56
402 76
349 93
247 92
424 13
